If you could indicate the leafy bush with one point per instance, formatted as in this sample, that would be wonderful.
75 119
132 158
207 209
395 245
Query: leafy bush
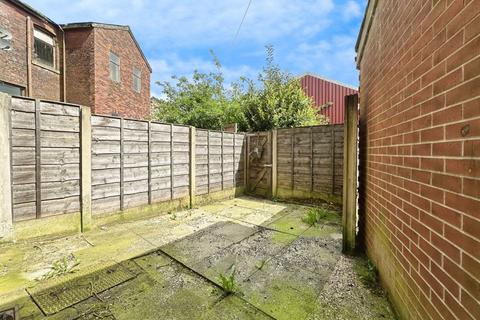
275 100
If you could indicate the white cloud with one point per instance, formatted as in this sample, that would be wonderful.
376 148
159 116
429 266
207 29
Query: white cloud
165 67
333 58
190 22
351 10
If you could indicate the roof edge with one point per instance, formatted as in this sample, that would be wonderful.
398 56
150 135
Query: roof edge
33 11
364 30
329 80
79 25
92 24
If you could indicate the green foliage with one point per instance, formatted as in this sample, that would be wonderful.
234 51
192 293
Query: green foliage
279 101
228 282
320 214
368 274
67 264
310 217
203 101
274 100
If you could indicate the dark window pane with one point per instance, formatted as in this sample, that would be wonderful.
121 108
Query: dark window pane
43 52
11 89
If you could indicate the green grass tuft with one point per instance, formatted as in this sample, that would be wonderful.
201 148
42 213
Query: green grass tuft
228 282
67 264
320 215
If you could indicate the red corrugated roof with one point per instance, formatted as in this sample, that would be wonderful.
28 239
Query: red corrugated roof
325 91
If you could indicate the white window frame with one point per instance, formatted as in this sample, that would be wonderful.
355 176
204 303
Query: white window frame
137 79
114 62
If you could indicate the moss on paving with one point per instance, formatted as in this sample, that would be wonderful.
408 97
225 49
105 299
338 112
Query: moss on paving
281 272
283 290
290 223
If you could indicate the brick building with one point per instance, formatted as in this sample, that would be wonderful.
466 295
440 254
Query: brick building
419 67
93 64
328 95
107 70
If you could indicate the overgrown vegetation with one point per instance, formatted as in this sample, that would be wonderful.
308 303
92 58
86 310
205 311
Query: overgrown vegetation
367 272
320 214
67 264
227 281
310 217
275 99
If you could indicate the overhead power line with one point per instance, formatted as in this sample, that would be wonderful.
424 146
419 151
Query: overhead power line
243 19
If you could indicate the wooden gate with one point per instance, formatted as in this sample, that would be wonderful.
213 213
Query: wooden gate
259 164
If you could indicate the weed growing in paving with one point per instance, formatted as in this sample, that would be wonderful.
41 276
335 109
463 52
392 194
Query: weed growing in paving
317 215
311 217
368 274
67 264
228 281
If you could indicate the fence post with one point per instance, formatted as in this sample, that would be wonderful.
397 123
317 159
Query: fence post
86 168
349 217
193 150
38 160
6 221
274 162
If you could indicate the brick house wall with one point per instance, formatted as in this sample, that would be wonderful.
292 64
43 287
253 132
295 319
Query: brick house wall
45 82
79 58
419 67
88 73
119 97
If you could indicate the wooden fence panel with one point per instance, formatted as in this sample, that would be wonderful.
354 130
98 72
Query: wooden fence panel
23 159
133 162
309 163
105 164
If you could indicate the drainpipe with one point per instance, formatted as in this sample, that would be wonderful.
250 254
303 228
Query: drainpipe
29 57
64 67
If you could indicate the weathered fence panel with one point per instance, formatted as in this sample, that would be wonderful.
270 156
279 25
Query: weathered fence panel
219 160
45 158
297 163
133 162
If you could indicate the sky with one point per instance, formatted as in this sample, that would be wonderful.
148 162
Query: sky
315 36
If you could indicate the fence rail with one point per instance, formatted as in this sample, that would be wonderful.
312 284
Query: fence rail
132 162
63 160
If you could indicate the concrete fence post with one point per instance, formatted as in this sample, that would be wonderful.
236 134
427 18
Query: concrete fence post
86 168
6 223
192 165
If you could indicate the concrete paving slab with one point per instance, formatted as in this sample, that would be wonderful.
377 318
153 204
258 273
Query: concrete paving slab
183 295
280 272
268 241
290 223
234 308
311 254
282 290
196 246
246 260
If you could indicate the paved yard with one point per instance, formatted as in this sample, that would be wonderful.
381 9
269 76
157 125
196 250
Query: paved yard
169 267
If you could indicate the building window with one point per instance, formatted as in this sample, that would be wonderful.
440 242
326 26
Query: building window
114 67
137 79
11 89
43 48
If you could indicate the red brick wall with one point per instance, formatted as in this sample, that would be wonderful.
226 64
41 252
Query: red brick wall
46 83
79 56
120 97
420 155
